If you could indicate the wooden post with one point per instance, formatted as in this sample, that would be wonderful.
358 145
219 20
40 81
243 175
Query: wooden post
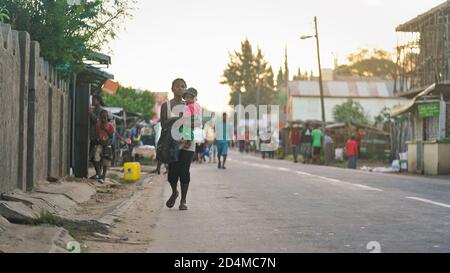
442 118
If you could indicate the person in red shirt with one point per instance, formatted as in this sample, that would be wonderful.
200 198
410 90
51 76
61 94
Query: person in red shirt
351 149
103 151
295 141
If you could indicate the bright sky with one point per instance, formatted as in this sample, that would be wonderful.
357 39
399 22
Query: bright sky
191 38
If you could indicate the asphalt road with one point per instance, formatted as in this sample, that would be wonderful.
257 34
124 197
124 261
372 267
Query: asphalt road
277 206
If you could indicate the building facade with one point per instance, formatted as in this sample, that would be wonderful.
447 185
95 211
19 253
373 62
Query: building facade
424 78
304 98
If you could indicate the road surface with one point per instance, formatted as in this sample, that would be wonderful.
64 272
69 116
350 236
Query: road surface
277 206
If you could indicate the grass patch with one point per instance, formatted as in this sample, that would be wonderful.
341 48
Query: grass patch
46 217
114 176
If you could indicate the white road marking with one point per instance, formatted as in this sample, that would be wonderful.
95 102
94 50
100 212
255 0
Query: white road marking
367 187
332 179
349 184
329 179
429 202
303 173
337 181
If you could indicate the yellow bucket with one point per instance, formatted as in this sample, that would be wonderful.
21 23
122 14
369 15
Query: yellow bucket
132 171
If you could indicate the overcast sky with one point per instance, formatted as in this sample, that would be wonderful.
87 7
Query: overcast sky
191 38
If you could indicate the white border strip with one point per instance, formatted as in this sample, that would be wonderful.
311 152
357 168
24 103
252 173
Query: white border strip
336 181
429 202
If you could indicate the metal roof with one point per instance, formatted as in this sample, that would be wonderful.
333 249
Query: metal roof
114 110
345 89
414 24
355 124
433 88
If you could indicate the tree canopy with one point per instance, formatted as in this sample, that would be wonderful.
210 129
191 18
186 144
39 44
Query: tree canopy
68 33
302 76
376 63
3 14
246 72
132 101
350 111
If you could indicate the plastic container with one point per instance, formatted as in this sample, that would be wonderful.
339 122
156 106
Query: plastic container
403 165
132 171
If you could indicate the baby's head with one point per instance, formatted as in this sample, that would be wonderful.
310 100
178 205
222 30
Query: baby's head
104 116
190 95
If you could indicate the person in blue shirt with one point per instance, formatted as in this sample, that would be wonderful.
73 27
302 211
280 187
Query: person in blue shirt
223 136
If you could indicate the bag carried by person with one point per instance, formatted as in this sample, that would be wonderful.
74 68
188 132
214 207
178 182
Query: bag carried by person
168 147
206 152
107 152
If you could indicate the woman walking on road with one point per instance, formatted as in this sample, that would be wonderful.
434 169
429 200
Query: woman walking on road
179 170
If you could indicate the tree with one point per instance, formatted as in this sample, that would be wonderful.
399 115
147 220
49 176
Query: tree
281 80
68 33
376 63
301 77
247 72
280 96
399 129
350 111
132 101
3 14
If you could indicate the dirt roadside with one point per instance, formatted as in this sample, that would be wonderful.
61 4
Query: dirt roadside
132 226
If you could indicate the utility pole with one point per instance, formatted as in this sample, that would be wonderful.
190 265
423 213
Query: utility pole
286 108
320 72
286 68
257 107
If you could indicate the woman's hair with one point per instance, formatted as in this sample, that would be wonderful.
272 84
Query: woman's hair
178 80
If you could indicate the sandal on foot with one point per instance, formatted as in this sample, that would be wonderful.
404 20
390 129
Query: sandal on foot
171 202
183 206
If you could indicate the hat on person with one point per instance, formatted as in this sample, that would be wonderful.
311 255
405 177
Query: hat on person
190 91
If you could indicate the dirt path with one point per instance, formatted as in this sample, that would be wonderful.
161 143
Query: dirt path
132 230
